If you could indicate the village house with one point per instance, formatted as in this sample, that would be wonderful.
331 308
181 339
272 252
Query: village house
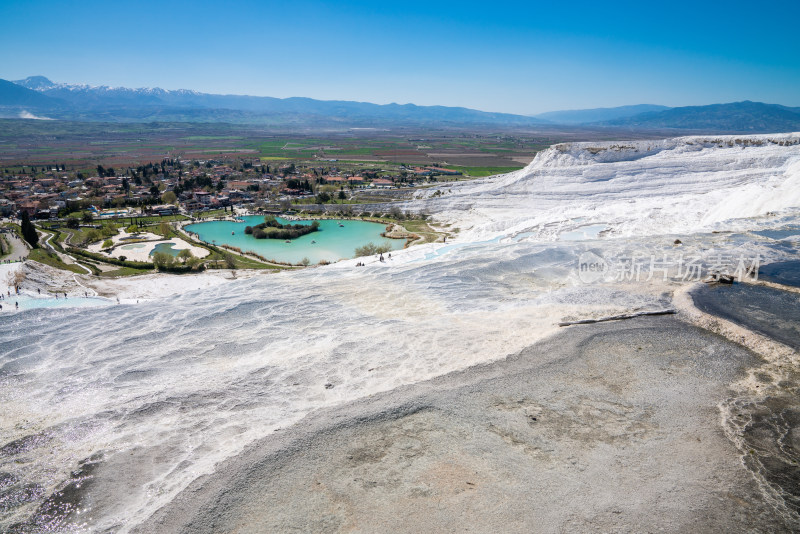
382 183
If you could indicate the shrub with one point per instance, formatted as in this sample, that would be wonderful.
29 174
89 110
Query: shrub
108 243
109 230
185 255
93 235
230 260
162 259
370 249
115 261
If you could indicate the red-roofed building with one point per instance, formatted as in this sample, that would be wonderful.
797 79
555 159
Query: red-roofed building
382 183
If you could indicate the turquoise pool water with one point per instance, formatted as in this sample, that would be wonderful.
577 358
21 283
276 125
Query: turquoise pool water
165 247
332 242
27 302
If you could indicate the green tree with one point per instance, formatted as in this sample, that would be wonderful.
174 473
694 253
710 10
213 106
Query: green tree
93 235
185 254
169 197
29 231
162 260
230 260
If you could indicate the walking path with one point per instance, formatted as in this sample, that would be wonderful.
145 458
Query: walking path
66 258
19 249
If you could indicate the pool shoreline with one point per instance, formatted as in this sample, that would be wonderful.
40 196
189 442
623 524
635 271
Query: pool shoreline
336 239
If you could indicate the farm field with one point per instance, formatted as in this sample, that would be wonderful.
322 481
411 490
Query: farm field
86 145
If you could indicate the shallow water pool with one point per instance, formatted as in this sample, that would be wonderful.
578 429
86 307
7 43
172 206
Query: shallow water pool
336 239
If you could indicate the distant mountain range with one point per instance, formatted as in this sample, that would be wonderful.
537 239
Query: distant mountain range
736 117
588 116
38 97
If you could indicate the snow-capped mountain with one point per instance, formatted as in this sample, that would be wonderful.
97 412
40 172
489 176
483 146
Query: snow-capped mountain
121 104
85 102
106 94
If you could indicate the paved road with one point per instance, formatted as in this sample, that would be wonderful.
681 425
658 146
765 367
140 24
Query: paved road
19 249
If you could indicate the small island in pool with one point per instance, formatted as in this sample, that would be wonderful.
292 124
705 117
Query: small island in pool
272 229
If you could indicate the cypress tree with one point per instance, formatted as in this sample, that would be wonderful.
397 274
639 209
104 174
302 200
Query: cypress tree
28 230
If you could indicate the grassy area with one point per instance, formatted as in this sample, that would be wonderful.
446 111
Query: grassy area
125 221
124 271
421 228
211 137
209 214
243 262
164 230
154 219
480 172
51 258
304 201
68 236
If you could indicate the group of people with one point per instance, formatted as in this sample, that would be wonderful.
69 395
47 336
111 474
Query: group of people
380 258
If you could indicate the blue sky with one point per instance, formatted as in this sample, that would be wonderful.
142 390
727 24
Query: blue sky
518 57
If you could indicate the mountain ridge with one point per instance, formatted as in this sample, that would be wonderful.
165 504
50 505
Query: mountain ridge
741 116
145 103
81 102
587 116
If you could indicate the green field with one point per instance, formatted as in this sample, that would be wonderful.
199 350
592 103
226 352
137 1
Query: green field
52 259
84 145
479 172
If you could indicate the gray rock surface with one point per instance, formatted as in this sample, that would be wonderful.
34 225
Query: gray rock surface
611 427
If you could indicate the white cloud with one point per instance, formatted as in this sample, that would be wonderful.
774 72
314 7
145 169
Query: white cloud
28 115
